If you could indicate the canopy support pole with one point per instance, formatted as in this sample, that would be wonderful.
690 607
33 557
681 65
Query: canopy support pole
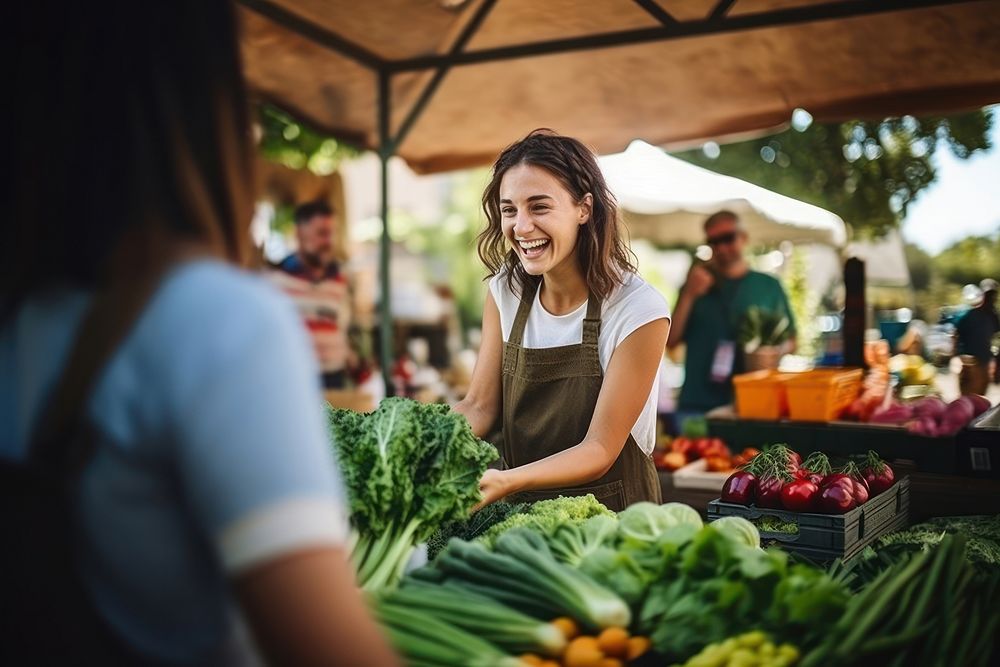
386 150
855 312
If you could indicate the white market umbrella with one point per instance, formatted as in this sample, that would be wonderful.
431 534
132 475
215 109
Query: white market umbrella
666 200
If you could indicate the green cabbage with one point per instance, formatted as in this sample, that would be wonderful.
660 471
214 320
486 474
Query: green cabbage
647 522
684 515
739 529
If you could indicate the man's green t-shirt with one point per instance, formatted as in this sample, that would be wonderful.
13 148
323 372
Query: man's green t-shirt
716 317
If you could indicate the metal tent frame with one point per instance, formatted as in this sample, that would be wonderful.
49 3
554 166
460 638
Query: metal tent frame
718 21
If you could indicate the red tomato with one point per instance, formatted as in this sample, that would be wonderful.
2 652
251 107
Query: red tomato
800 496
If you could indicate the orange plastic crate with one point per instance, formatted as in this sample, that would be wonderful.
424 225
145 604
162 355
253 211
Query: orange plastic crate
822 395
762 395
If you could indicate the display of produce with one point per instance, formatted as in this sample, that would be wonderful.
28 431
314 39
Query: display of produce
654 585
780 479
672 455
408 468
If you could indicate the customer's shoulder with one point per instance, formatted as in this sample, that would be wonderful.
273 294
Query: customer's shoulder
215 290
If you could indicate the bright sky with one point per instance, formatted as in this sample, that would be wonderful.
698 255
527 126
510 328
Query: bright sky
963 201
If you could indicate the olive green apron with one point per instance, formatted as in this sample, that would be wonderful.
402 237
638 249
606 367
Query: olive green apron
549 397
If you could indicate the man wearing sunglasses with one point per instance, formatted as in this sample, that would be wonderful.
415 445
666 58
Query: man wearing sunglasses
712 303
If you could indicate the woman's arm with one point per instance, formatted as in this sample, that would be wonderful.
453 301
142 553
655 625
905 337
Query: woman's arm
629 377
481 405
305 609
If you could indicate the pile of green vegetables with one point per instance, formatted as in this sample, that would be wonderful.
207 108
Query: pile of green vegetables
703 594
408 468
931 607
655 570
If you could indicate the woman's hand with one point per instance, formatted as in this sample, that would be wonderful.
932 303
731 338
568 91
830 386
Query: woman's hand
494 485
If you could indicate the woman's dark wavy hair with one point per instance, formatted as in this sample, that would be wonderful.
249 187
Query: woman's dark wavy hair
601 249
132 136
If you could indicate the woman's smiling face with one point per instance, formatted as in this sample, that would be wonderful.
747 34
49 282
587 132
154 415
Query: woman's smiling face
540 219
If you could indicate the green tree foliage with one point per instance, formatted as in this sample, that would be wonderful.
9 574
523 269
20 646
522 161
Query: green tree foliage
938 280
868 172
287 141
804 303
920 264
970 260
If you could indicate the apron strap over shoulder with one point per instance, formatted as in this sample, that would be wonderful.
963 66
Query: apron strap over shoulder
523 310
592 321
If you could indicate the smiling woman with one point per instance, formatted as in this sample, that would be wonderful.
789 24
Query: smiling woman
572 337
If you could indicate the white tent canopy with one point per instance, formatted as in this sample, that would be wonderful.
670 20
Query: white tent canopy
666 200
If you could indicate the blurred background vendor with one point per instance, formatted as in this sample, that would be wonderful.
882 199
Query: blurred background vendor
572 337
713 306
313 279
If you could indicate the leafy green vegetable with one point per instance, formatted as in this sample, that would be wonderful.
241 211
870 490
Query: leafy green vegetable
572 542
474 526
522 573
481 616
717 587
408 467
738 529
547 515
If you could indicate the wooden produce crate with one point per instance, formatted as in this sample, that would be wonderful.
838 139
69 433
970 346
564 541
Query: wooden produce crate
696 475
825 537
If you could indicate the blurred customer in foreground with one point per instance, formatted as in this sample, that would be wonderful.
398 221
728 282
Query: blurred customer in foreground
311 276
712 306
975 332
206 520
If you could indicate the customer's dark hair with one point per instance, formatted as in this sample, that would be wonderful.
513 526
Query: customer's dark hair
132 137
603 253
306 212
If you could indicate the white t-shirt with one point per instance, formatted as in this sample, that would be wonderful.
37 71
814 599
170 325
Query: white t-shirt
627 308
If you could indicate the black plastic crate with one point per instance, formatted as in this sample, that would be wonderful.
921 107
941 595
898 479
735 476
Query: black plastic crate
825 537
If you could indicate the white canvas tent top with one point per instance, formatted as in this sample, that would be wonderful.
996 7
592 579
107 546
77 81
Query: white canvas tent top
666 200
